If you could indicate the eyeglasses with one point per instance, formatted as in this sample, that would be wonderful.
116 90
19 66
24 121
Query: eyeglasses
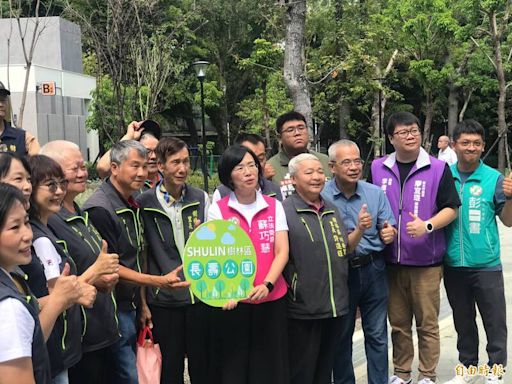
406 132
347 162
53 184
290 130
467 143
249 166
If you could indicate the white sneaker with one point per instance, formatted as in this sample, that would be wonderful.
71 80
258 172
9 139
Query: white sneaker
492 379
396 380
466 379
426 380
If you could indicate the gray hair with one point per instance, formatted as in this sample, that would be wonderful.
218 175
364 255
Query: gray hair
293 165
120 150
340 143
56 149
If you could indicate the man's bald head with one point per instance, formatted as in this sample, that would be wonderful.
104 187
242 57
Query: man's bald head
58 149
443 142
69 157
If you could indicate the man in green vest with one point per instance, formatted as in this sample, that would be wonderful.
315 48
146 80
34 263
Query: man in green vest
292 132
473 274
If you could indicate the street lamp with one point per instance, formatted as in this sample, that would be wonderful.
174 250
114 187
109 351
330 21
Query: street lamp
200 67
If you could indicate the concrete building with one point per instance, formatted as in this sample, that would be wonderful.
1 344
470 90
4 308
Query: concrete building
57 58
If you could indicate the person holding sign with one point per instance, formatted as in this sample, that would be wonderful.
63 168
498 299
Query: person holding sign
170 212
250 342
316 274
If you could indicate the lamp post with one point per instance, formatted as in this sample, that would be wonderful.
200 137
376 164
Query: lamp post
200 67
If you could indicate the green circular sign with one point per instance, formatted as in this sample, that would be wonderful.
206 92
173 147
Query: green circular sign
219 260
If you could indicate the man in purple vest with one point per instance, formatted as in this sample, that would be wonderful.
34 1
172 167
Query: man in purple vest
423 198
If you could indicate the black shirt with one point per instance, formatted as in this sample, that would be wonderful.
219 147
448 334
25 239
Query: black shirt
447 196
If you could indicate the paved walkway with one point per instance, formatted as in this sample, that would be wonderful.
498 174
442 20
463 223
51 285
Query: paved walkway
449 354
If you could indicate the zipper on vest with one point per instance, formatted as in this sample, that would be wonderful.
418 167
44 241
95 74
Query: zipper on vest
115 311
84 330
331 285
65 331
158 229
461 194
294 286
307 228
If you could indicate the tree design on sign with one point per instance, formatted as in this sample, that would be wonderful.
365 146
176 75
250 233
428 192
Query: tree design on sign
219 260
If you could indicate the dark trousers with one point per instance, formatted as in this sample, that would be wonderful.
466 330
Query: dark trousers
312 344
180 332
250 345
485 289
92 368
368 289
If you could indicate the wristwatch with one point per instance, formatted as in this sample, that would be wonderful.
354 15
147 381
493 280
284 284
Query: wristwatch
429 227
269 286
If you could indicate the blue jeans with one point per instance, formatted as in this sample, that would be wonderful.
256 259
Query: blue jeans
368 290
124 367
61 378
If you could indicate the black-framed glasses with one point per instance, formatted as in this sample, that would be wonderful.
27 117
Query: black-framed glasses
406 132
348 162
291 130
54 184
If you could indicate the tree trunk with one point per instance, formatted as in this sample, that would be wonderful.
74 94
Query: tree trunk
377 123
429 115
295 61
343 116
266 115
453 108
500 73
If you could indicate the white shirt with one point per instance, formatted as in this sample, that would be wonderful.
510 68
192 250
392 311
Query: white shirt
448 155
49 257
173 210
16 329
248 211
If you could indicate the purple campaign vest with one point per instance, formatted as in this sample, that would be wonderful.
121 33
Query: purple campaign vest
419 197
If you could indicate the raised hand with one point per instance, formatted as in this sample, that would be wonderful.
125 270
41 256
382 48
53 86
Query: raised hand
88 295
134 131
507 185
106 263
416 227
67 289
387 233
365 218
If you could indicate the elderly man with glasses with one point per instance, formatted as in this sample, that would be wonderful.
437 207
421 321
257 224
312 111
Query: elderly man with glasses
423 198
366 215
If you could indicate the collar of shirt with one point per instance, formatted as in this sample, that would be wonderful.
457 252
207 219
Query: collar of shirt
131 203
169 200
337 192
260 201
8 131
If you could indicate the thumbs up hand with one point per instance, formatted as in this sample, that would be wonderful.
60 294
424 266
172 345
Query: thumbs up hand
106 263
416 227
67 289
507 185
365 219
387 233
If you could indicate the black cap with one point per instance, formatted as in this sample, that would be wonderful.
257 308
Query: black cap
152 127
4 91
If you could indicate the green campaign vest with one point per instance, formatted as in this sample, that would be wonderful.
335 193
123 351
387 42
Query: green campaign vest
472 238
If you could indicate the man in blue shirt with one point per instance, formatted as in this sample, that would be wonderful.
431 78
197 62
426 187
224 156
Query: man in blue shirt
366 214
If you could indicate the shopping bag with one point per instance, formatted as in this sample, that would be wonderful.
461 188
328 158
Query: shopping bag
149 358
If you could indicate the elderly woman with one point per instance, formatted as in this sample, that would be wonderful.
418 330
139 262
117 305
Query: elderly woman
251 338
316 274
